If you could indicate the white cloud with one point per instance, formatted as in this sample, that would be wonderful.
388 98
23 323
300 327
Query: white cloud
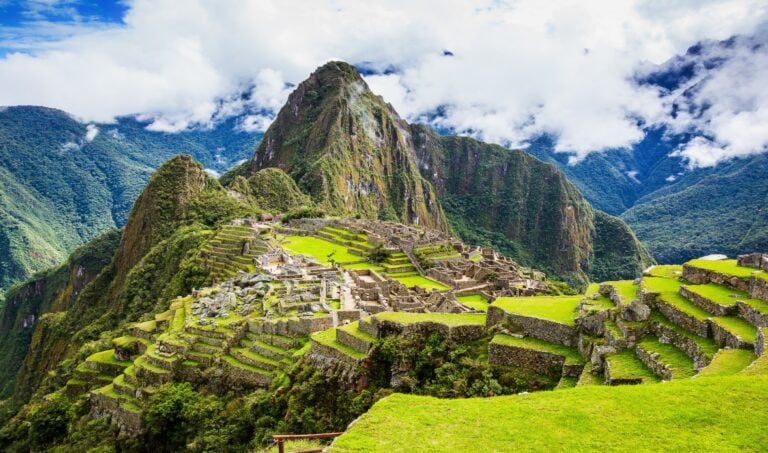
519 68
91 131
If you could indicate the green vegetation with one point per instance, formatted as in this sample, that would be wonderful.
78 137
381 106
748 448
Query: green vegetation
672 271
707 345
328 338
571 355
728 362
321 250
476 301
450 320
726 267
560 309
682 416
626 365
678 362
422 282
627 290
724 295
741 328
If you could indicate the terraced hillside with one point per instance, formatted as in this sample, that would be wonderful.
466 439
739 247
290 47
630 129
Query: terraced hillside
233 248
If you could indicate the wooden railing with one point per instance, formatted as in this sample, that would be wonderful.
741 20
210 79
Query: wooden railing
281 438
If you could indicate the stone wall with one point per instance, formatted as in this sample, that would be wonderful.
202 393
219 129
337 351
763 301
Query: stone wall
459 334
651 360
749 313
700 328
369 327
701 276
708 305
342 316
756 260
537 361
725 338
610 380
333 353
685 344
761 342
128 422
352 341
758 288
543 329
291 327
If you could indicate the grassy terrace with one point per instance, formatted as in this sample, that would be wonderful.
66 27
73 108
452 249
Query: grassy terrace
672 271
758 368
560 309
418 280
571 354
328 338
715 414
680 364
728 362
450 320
319 249
600 302
724 295
353 329
744 330
626 365
476 301
236 363
107 356
726 267
707 345
626 289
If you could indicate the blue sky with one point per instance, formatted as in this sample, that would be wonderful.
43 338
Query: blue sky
32 21
572 70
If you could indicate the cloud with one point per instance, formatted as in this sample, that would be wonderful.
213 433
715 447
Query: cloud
512 70
91 131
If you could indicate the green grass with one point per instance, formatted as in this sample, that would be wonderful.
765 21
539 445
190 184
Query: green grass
717 414
758 368
726 267
450 320
626 289
418 280
363 266
744 330
328 338
128 340
685 305
707 345
728 362
318 249
560 309
476 301
571 354
107 356
661 284
236 363
724 295
679 363
353 329
626 365
673 271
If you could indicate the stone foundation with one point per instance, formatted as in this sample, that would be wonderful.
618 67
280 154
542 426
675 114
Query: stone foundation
540 362
707 305
702 276
352 341
685 344
651 360
758 288
698 327
726 339
543 329
754 317
761 342
294 327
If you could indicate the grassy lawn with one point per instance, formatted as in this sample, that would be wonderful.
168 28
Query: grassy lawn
107 356
318 249
626 365
707 345
354 330
476 301
328 338
680 364
422 282
667 271
758 368
361 266
450 320
560 309
746 331
685 305
571 355
717 414
661 284
728 362
726 267
724 295
626 289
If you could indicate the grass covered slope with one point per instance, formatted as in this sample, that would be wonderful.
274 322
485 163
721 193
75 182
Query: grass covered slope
716 414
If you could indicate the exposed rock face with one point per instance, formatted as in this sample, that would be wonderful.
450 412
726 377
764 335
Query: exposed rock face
349 150
487 189
635 311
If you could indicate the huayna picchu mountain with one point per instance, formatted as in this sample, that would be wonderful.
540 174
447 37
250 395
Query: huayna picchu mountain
349 150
